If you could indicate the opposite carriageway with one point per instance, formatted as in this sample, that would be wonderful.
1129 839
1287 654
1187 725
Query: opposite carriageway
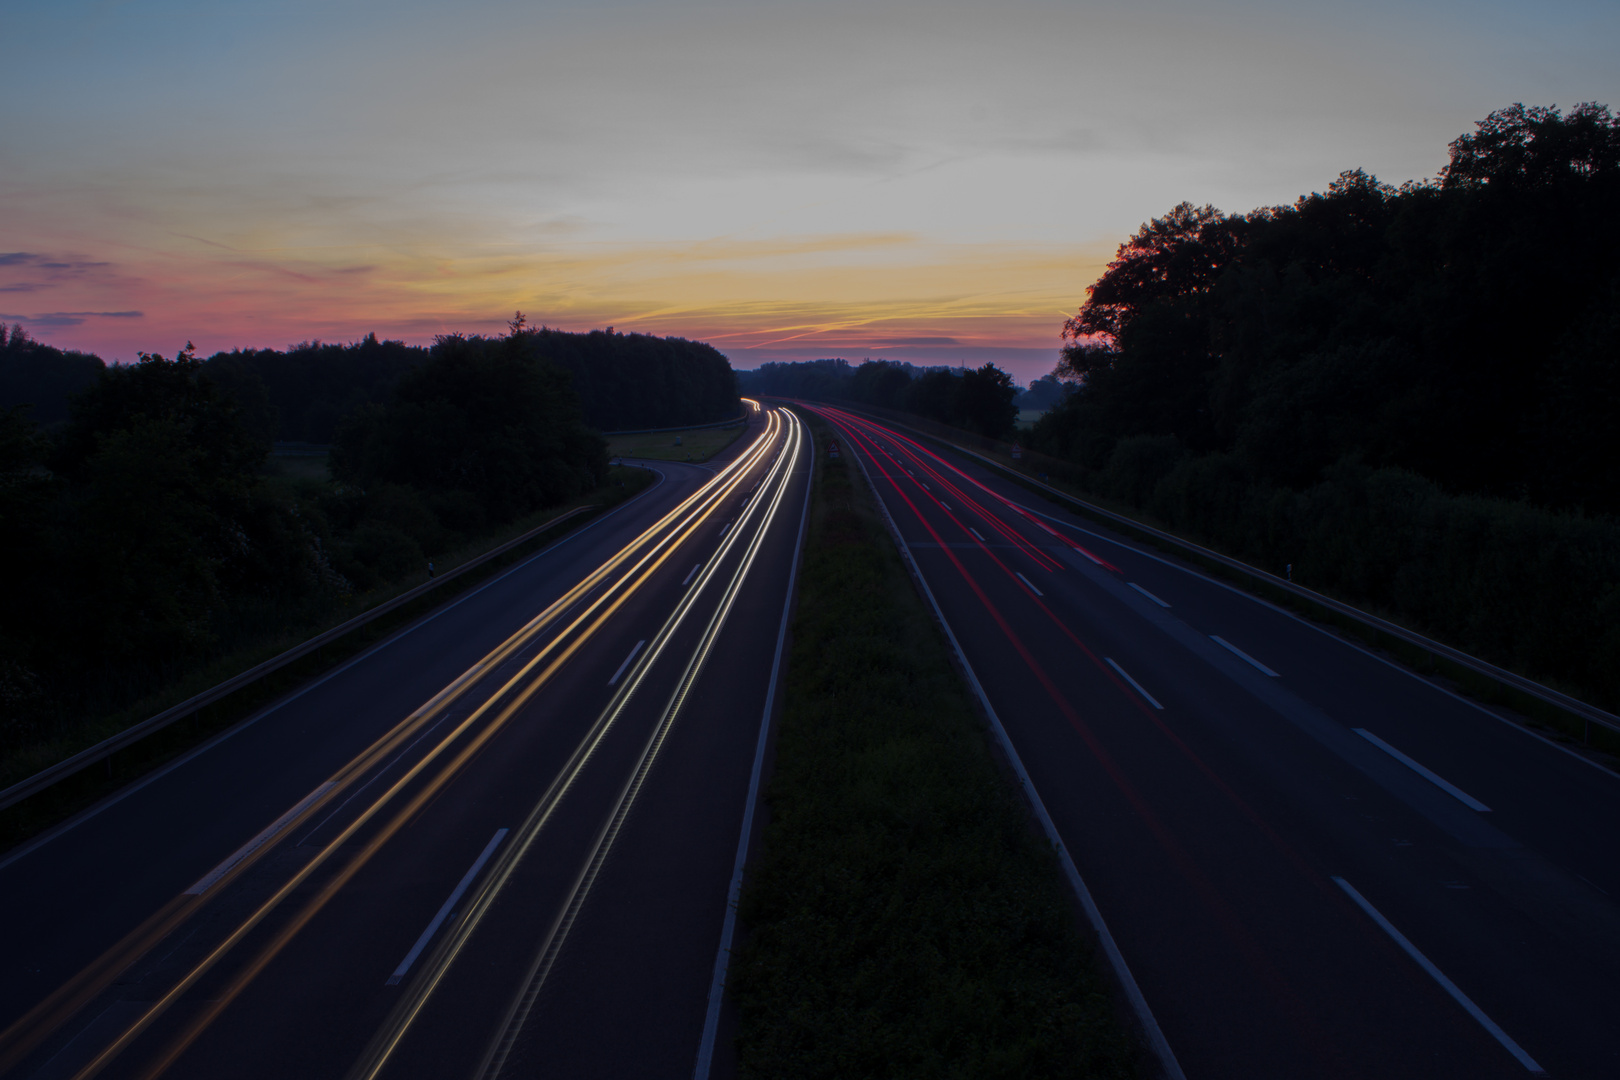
1313 861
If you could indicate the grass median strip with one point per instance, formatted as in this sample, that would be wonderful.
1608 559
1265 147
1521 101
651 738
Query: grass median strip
903 916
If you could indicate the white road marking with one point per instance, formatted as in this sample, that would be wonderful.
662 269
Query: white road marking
1438 976
1151 700
270 832
690 572
1031 584
1147 594
976 535
1444 785
445 909
627 660
1240 654
726 529
945 507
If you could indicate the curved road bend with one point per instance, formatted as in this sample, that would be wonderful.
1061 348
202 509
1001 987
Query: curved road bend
498 843
1260 807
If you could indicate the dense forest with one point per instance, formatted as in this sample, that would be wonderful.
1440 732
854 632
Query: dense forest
1408 394
304 394
629 382
980 399
151 534
42 376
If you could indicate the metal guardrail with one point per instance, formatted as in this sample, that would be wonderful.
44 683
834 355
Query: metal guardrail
1588 714
109 746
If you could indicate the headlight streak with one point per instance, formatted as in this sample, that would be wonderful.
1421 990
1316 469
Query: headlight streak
707 499
378 1052
26 1033
500 1048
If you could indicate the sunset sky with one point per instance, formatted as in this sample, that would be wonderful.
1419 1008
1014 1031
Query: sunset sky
934 182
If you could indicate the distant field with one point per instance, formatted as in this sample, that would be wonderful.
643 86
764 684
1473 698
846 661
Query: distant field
1027 417
300 466
699 444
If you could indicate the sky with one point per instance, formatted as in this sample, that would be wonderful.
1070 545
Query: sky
935 182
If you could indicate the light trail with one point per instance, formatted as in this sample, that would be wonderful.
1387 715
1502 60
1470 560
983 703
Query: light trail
383 1045
654 546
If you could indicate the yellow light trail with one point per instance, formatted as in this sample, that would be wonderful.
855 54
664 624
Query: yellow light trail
27 1032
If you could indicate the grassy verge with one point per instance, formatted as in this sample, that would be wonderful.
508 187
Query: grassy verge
37 813
697 444
903 917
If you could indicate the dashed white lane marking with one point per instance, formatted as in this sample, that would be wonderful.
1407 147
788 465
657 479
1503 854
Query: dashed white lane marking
627 660
1031 584
1439 976
690 572
444 911
270 832
1149 698
1434 778
976 535
1147 594
1241 655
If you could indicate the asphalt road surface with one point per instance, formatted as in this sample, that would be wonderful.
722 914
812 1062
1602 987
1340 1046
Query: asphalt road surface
498 843
1315 863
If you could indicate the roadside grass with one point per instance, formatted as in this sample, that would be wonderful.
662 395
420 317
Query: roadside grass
697 444
903 917
21 760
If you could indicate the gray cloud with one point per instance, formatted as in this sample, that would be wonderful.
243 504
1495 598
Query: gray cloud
73 318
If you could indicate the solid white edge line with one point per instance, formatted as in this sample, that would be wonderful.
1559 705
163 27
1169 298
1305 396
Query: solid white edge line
1159 1045
1151 700
1147 594
1439 976
195 752
728 929
690 572
1432 777
1241 655
976 535
1031 584
446 908
627 660
269 833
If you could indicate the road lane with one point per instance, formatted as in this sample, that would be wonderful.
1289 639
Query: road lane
1213 831
307 986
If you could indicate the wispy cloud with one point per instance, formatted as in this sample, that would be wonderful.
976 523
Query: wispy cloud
70 318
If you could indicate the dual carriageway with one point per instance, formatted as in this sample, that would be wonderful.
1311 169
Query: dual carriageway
503 843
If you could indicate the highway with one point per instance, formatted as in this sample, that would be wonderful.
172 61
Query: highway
500 842
1313 862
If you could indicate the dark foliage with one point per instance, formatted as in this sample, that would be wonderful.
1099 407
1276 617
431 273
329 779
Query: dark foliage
1408 394
307 391
488 421
150 536
41 376
979 399
628 382
1467 329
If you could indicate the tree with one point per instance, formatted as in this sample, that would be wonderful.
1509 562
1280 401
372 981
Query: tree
1536 147
485 418
985 401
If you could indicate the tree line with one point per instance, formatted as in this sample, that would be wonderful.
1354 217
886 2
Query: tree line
147 531
982 399
1406 393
